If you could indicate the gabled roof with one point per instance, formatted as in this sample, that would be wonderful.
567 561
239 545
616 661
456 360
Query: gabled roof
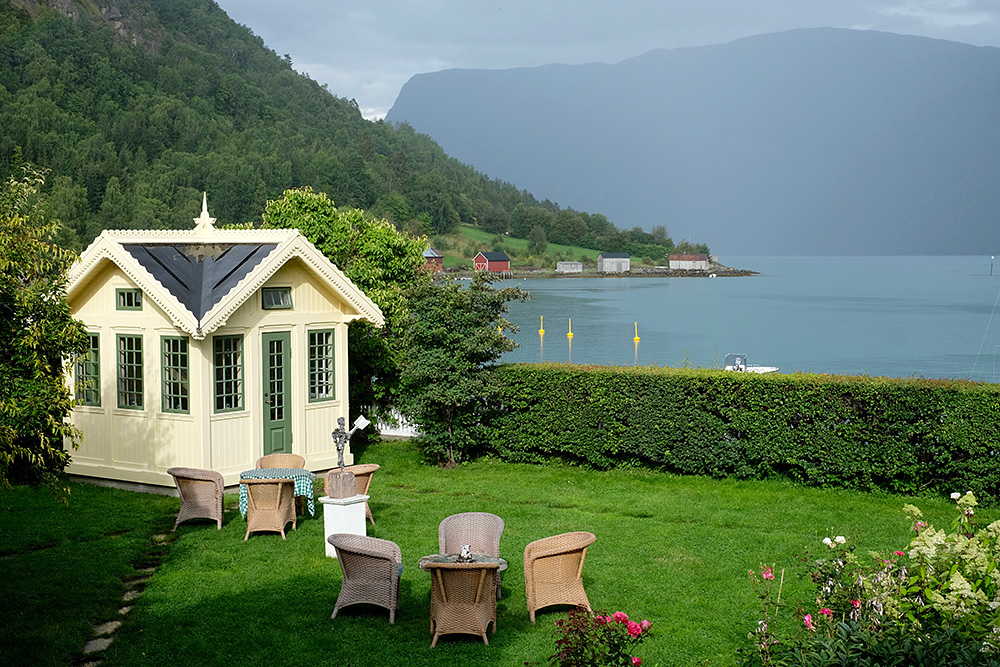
431 253
495 256
199 277
614 255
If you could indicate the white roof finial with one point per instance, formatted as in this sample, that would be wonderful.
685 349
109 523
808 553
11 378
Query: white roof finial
204 223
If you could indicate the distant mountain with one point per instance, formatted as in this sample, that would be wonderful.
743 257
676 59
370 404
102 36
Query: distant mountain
816 141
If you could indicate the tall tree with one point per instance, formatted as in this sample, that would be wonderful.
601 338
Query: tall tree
452 336
382 261
38 336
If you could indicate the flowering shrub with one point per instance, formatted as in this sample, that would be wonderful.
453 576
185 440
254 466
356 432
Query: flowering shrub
590 639
941 592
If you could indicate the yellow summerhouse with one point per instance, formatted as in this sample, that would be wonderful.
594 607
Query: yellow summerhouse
209 348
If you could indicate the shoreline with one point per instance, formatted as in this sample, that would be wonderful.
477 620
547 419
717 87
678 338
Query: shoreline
717 271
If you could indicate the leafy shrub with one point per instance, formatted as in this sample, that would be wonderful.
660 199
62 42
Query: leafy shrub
901 436
589 639
936 603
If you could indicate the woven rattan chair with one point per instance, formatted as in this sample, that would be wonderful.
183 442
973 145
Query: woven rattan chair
372 569
362 481
553 568
281 461
480 530
270 505
200 492
463 598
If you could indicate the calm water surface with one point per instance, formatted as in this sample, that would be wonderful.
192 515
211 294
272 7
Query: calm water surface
928 317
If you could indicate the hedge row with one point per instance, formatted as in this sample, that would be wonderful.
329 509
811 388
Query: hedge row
904 436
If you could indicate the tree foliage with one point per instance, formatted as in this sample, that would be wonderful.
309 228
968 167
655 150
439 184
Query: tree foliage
38 336
135 120
380 260
452 335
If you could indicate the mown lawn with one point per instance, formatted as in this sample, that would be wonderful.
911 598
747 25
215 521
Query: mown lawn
675 550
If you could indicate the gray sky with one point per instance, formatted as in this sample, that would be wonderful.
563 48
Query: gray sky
367 49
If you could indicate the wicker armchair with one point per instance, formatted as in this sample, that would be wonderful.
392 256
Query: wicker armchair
281 461
463 598
201 494
480 530
362 481
372 569
553 568
270 505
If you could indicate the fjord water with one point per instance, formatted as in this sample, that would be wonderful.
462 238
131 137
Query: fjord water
932 317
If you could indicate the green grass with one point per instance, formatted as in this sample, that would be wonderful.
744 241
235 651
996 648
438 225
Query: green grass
675 550
468 241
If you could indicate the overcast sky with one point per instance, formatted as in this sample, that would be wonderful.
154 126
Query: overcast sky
367 49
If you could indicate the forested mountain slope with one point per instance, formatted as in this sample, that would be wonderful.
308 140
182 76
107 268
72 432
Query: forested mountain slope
137 106
817 141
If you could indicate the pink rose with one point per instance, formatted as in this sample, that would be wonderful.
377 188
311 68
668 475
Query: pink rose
636 661
856 603
826 612
767 574
899 553
621 617
918 526
645 625
633 629
808 620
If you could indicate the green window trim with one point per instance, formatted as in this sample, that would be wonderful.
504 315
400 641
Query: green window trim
276 298
88 373
175 365
130 371
128 299
322 355
227 382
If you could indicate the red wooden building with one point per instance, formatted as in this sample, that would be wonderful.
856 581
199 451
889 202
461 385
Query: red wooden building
434 260
491 261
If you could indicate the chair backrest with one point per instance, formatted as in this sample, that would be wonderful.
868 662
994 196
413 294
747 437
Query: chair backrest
480 530
281 461
557 558
269 494
363 476
195 482
364 556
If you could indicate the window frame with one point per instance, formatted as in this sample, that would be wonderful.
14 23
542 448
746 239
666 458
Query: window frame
238 378
138 387
121 295
265 291
88 372
175 390
314 372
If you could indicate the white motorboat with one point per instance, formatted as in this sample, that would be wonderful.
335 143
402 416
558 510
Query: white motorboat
738 363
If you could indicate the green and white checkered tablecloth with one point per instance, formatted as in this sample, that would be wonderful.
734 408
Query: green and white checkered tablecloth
301 477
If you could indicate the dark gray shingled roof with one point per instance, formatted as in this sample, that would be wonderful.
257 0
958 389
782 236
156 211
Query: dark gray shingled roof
199 275
496 256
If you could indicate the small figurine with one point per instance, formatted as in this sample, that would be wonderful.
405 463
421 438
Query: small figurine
466 555
340 438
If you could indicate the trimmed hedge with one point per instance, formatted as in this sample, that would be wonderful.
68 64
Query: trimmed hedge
903 436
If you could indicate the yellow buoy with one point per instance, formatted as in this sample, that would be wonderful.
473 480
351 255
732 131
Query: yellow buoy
636 339
570 334
541 327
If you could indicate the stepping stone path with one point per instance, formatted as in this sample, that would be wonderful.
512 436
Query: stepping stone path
104 632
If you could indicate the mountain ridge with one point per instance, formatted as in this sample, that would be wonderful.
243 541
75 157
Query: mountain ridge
808 141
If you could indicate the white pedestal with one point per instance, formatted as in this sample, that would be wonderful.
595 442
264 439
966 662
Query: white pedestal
343 515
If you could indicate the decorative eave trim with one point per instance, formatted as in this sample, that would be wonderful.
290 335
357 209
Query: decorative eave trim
295 246
105 248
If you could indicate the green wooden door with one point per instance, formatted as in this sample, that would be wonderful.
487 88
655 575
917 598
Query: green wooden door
276 365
